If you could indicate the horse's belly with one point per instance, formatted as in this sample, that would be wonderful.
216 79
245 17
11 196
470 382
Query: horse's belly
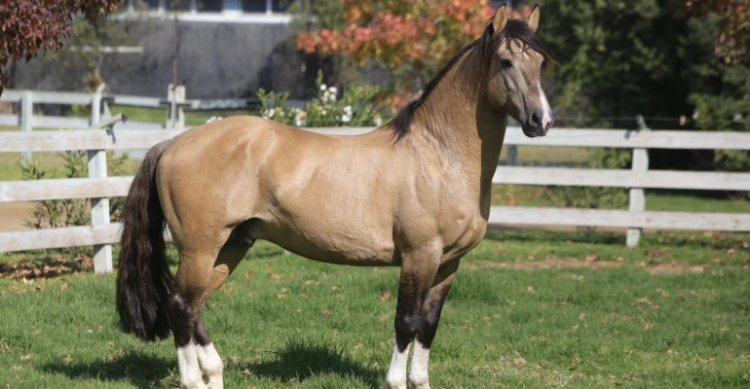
352 247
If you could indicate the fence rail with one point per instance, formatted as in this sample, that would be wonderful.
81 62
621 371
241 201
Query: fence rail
634 219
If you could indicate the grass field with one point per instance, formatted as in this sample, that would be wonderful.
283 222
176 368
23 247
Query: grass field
528 309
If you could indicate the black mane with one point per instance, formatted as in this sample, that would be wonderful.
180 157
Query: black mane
513 30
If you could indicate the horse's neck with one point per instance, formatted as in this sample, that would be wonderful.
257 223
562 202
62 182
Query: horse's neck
467 132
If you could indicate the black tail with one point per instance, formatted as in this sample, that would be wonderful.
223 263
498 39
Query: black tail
144 282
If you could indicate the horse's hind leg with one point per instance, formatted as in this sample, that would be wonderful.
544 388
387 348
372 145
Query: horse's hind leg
208 358
201 272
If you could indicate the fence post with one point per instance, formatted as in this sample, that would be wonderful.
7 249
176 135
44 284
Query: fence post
176 97
638 195
27 116
512 155
99 206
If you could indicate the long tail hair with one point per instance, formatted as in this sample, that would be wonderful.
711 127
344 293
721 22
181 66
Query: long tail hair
144 282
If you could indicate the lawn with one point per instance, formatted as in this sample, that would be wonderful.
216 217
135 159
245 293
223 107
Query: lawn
528 309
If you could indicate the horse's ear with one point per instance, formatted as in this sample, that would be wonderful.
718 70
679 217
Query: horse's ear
501 17
534 18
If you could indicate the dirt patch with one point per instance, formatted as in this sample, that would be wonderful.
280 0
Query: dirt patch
675 268
588 263
45 269
550 263
13 215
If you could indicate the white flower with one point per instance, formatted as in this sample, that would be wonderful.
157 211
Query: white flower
346 118
348 110
323 87
270 113
333 90
299 117
378 120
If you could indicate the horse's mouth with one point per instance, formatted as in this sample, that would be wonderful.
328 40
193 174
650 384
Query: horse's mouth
533 131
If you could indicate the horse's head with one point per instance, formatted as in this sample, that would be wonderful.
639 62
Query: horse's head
514 70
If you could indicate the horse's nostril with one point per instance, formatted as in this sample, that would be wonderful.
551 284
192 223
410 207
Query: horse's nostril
536 119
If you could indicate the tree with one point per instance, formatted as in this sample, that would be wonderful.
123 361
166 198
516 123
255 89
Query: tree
412 39
31 27
734 37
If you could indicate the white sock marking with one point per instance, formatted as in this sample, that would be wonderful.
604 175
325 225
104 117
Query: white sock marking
419 375
396 377
190 372
211 365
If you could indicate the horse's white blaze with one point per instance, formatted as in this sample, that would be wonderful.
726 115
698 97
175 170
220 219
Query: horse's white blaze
420 360
211 365
190 371
397 371
546 110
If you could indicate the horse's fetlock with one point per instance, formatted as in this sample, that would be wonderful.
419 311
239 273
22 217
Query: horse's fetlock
195 382
419 379
396 382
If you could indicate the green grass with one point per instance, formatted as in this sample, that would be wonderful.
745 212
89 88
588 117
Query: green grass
513 319
10 167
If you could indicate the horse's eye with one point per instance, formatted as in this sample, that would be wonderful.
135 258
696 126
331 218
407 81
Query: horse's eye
506 64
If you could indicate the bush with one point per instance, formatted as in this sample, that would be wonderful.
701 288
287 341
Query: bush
70 212
355 107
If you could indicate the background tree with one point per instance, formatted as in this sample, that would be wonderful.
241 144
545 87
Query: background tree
721 97
412 40
31 27
734 37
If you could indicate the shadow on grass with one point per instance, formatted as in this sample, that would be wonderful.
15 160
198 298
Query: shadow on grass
300 360
143 371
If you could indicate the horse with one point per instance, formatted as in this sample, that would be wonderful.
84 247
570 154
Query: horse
413 193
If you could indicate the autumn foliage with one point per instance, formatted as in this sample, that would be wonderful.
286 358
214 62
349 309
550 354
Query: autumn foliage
30 27
397 32
412 38
735 36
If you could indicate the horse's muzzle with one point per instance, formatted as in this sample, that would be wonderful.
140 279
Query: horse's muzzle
536 124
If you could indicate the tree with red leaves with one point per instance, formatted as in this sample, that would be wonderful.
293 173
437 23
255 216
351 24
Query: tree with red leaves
412 39
735 35
31 27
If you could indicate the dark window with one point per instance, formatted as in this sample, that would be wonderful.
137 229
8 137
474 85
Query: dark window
254 6
152 4
210 5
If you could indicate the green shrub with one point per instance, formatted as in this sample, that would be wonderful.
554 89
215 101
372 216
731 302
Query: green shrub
355 108
70 212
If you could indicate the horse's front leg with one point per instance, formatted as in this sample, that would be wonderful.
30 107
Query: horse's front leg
433 305
419 269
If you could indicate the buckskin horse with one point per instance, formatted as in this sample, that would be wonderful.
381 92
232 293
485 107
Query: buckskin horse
413 193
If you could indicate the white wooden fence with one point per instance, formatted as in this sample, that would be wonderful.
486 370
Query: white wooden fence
175 104
98 186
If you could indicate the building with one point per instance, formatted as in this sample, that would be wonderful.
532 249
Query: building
216 48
